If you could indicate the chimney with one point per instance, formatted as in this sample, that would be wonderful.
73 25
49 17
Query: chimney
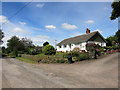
87 31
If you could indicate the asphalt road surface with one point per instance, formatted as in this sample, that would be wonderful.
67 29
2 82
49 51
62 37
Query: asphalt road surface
100 73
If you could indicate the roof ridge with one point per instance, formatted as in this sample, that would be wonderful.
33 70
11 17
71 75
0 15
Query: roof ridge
81 35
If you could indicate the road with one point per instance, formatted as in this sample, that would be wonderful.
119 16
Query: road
100 73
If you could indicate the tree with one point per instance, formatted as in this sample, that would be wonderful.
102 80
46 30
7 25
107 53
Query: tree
45 43
14 44
49 50
112 40
116 10
27 42
118 36
3 50
1 36
28 45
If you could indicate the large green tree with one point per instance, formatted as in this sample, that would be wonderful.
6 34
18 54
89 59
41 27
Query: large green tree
27 42
115 14
1 36
118 36
112 40
28 45
116 10
23 45
14 44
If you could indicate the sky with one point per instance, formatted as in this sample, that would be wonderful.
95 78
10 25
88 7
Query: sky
50 21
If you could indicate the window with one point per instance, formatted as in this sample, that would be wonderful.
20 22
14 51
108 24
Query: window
80 45
59 46
77 43
65 46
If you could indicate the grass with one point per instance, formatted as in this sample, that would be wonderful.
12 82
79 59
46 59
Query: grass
26 60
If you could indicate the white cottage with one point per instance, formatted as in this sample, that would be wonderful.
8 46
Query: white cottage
81 41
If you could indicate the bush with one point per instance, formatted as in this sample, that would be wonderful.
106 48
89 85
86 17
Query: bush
73 54
19 55
3 54
76 49
83 56
45 43
62 61
49 50
13 54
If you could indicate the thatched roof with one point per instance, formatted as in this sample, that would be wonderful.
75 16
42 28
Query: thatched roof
80 38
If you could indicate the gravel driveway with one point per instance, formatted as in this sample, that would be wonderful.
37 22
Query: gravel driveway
100 73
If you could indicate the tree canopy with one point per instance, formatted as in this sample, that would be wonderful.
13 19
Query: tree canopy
14 44
1 36
27 42
118 36
116 10
111 39
45 43
21 46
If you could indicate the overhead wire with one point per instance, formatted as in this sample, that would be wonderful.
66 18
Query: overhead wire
11 17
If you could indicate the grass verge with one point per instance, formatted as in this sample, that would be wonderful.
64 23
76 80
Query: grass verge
26 60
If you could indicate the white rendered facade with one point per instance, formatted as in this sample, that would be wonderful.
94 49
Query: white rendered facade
82 46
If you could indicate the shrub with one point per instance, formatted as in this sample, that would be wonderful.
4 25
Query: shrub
82 56
73 54
49 50
62 61
3 54
45 43
76 49
19 55
13 54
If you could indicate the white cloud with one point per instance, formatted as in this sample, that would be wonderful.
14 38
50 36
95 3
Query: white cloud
3 19
40 39
100 31
22 23
13 29
40 5
43 36
69 26
50 27
19 30
89 21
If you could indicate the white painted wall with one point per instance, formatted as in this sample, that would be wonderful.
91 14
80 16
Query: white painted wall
67 48
82 46
102 44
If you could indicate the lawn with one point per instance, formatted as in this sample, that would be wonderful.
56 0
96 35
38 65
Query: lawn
26 60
